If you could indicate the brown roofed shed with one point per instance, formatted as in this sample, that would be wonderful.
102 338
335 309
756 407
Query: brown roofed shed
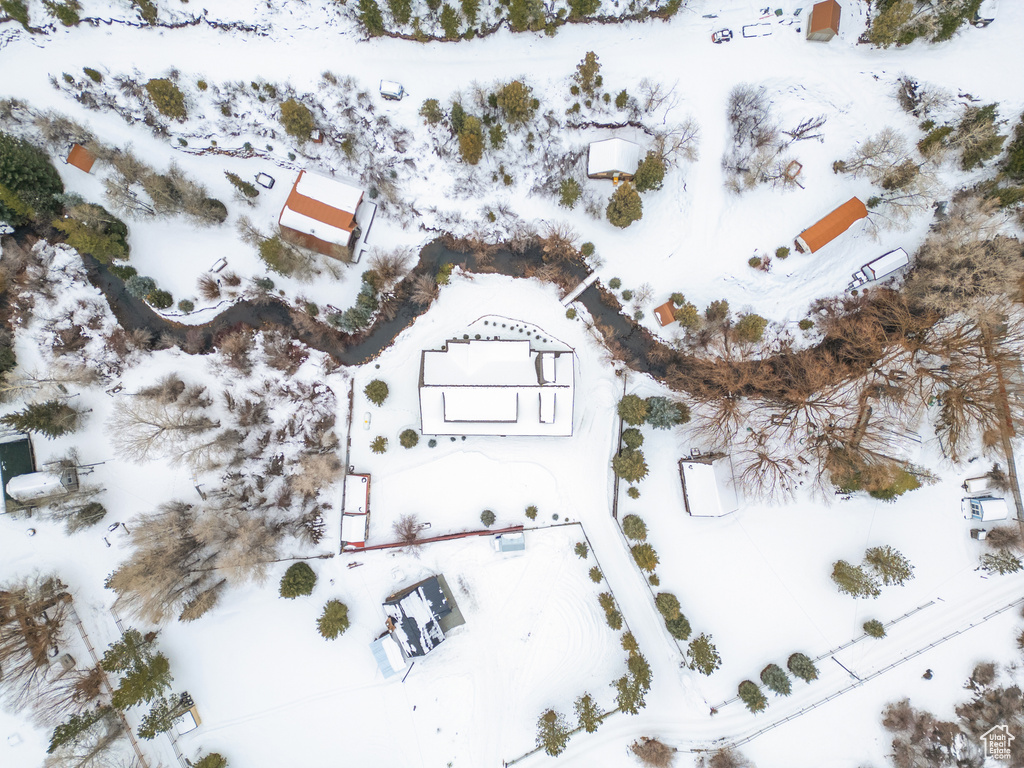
666 313
81 158
832 226
824 22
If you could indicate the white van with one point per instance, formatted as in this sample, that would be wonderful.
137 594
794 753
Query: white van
391 90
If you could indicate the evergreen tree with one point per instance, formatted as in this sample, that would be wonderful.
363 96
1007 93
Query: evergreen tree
632 437
130 652
334 620
775 679
161 716
470 9
650 174
668 605
639 670
552 732
629 643
379 444
874 628
143 682
679 627
167 98
633 410
885 26
750 328
409 438
645 556
52 418
1001 562
634 527
630 465
750 694
569 192
28 181
526 15
663 413
686 315
90 229
471 140
625 206
371 18
704 656
587 72
75 726
297 119
450 22
298 580
581 549
140 286
854 580
889 565
487 518
717 311
596 575
212 760
588 715
516 102
376 392
801 666
632 687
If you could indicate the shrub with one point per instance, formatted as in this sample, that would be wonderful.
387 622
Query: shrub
93 74
668 605
614 283
750 694
754 262
186 306
371 18
632 437
581 549
596 575
124 271
633 492
570 313
516 102
587 249
140 286
160 299
379 444
775 679
487 518
806 324
645 556
409 438
634 527
334 620
298 581
264 284
296 119
167 98
376 392
633 410
471 140
621 99
28 181
531 512
627 295
801 666
650 174
663 413
630 465
569 193
874 628
750 328
782 252
625 206
212 760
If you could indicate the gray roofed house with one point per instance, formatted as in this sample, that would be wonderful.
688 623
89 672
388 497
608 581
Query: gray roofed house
418 616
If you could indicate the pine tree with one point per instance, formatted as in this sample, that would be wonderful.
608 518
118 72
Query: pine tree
297 119
629 643
686 315
634 527
775 679
516 102
409 438
889 565
212 760
371 18
75 726
750 694
1002 562
679 627
29 179
552 732
645 556
854 580
167 98
650 174
334 620
663 413
639 670
750 328
471 140
625 206
450 22
801 666
143 682
874 628
588 715
633 410
379 444
376 392
668 605
161 716
704 656
717 311
587 73
130 652
632 437
297 581
52 418
630 465
581 549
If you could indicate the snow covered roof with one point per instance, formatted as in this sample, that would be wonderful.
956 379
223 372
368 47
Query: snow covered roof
185 723
832 226
708 489
388 655
414 612
35 485
357 494
496 387
613 156
353 531
321 207
510 542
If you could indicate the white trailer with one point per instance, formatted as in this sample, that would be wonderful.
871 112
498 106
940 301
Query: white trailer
987 509
881 267
391 90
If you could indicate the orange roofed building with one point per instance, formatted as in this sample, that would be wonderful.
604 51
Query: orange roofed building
320 214
665 313
824 22
81 158
832 226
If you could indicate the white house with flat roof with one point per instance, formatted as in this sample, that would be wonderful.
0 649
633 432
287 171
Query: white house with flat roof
496 387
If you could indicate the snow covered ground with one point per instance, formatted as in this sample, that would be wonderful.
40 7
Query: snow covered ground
272 692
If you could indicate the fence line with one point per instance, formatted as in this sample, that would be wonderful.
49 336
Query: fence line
106 682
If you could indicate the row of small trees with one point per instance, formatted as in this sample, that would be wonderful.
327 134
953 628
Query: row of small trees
775 679
882 566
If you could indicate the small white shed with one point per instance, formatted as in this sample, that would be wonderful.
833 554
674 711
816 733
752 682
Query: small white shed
613 159
708 486
986 509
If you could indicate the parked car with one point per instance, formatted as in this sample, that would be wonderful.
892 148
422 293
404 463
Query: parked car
721 36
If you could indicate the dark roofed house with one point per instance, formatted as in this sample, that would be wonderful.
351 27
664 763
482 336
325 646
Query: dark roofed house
418 616
16 459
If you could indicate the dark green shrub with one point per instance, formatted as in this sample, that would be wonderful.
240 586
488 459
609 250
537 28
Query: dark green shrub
614 283
296 119
212 760
140 286
632 437
806 324
630 465
376 392
298 581
409 438
124 271
633 410
634 527
186 306
531 512
625 206
167 98
487 518
160 299
633 492
679 627
782 252
93 74
587 249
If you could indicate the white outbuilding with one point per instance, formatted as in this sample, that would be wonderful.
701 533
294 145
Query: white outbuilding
616 159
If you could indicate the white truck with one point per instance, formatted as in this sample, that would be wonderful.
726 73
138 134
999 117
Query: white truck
881 267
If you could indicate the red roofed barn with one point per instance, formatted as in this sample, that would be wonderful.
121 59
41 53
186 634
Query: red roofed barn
832 226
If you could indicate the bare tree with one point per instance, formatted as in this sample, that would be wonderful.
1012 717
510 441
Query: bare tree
765 470
424 290
653 752
142 429
407 529
679 142
390 266
317 471
877 156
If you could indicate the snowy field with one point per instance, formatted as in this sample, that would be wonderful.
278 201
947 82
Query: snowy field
271 692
